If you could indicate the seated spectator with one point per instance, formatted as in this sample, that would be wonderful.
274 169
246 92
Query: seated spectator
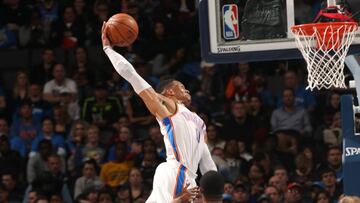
334 161
303 173
260 117
2 103
105 195
47 133
235 165
256 177
288 122
68 31
4 193
53 180
8 38
157 137
328 179
62 120
24 130
213 139
149 161
332 136
49 12
303 98
123 135
33 33
274 194
4 127
88 179
119 166
21 87
238 125
243 153
92 148
102 110
70 107
75 141
32 196
83 73
324 197
123 193
294 193
42 73
280 179
137 187
53 87
13 186
241 193
10 160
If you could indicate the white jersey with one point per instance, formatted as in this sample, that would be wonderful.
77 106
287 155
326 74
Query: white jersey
184 137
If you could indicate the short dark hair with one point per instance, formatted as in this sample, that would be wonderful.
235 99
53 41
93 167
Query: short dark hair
212 185
163 85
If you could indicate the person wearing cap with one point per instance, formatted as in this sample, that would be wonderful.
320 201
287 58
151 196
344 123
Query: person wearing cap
264 198
53 87
240 193
293 193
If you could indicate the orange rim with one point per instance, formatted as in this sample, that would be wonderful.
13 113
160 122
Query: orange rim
308 29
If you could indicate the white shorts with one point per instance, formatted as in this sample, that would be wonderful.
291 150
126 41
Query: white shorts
169 179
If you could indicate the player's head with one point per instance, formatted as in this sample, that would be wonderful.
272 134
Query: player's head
174 89
212 186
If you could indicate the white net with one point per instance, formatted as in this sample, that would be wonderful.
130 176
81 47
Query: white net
324 49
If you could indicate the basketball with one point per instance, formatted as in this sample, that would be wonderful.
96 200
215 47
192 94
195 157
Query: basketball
122 29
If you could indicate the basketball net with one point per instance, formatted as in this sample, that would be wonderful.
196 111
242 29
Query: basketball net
324 46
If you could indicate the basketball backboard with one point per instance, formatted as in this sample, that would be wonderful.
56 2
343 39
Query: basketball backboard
231 32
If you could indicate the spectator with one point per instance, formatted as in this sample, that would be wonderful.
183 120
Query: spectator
261 118
303 173
328 178
281 178
334 161
243 153
324 197
293 194
43 72
47 133
13 186
119 166
102 110
60 82
101 13
56 198
7 38
75 142
37 164
239 125
274 194
303 98
33 34
92 148
21 87
83 73
13 15
32 196
105 196
49 11
4 194
256 180
10 160
69 31
24 130
212 187
235 165
40 108
4 127
137 187
123 135
2 103
240 194
157 137
332 135
61 120
53 180
213 139
81 10
123 193
88 179
69 106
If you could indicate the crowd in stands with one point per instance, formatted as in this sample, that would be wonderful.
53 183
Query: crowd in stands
75 132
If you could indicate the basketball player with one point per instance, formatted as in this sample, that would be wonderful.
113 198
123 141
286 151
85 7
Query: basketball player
183 130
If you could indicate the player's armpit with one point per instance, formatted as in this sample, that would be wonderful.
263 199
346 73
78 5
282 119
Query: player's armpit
154 104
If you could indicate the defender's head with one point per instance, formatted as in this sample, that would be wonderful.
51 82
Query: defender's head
174 89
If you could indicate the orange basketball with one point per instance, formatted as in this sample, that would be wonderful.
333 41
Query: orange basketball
122 29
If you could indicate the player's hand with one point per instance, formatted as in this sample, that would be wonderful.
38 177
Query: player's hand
187 194
105 40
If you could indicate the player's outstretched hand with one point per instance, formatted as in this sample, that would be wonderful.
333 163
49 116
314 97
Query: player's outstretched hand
105 40
187 194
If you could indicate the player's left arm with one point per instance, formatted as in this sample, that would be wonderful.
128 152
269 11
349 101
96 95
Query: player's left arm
206 161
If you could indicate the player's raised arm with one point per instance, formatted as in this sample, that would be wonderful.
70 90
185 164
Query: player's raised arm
127 71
